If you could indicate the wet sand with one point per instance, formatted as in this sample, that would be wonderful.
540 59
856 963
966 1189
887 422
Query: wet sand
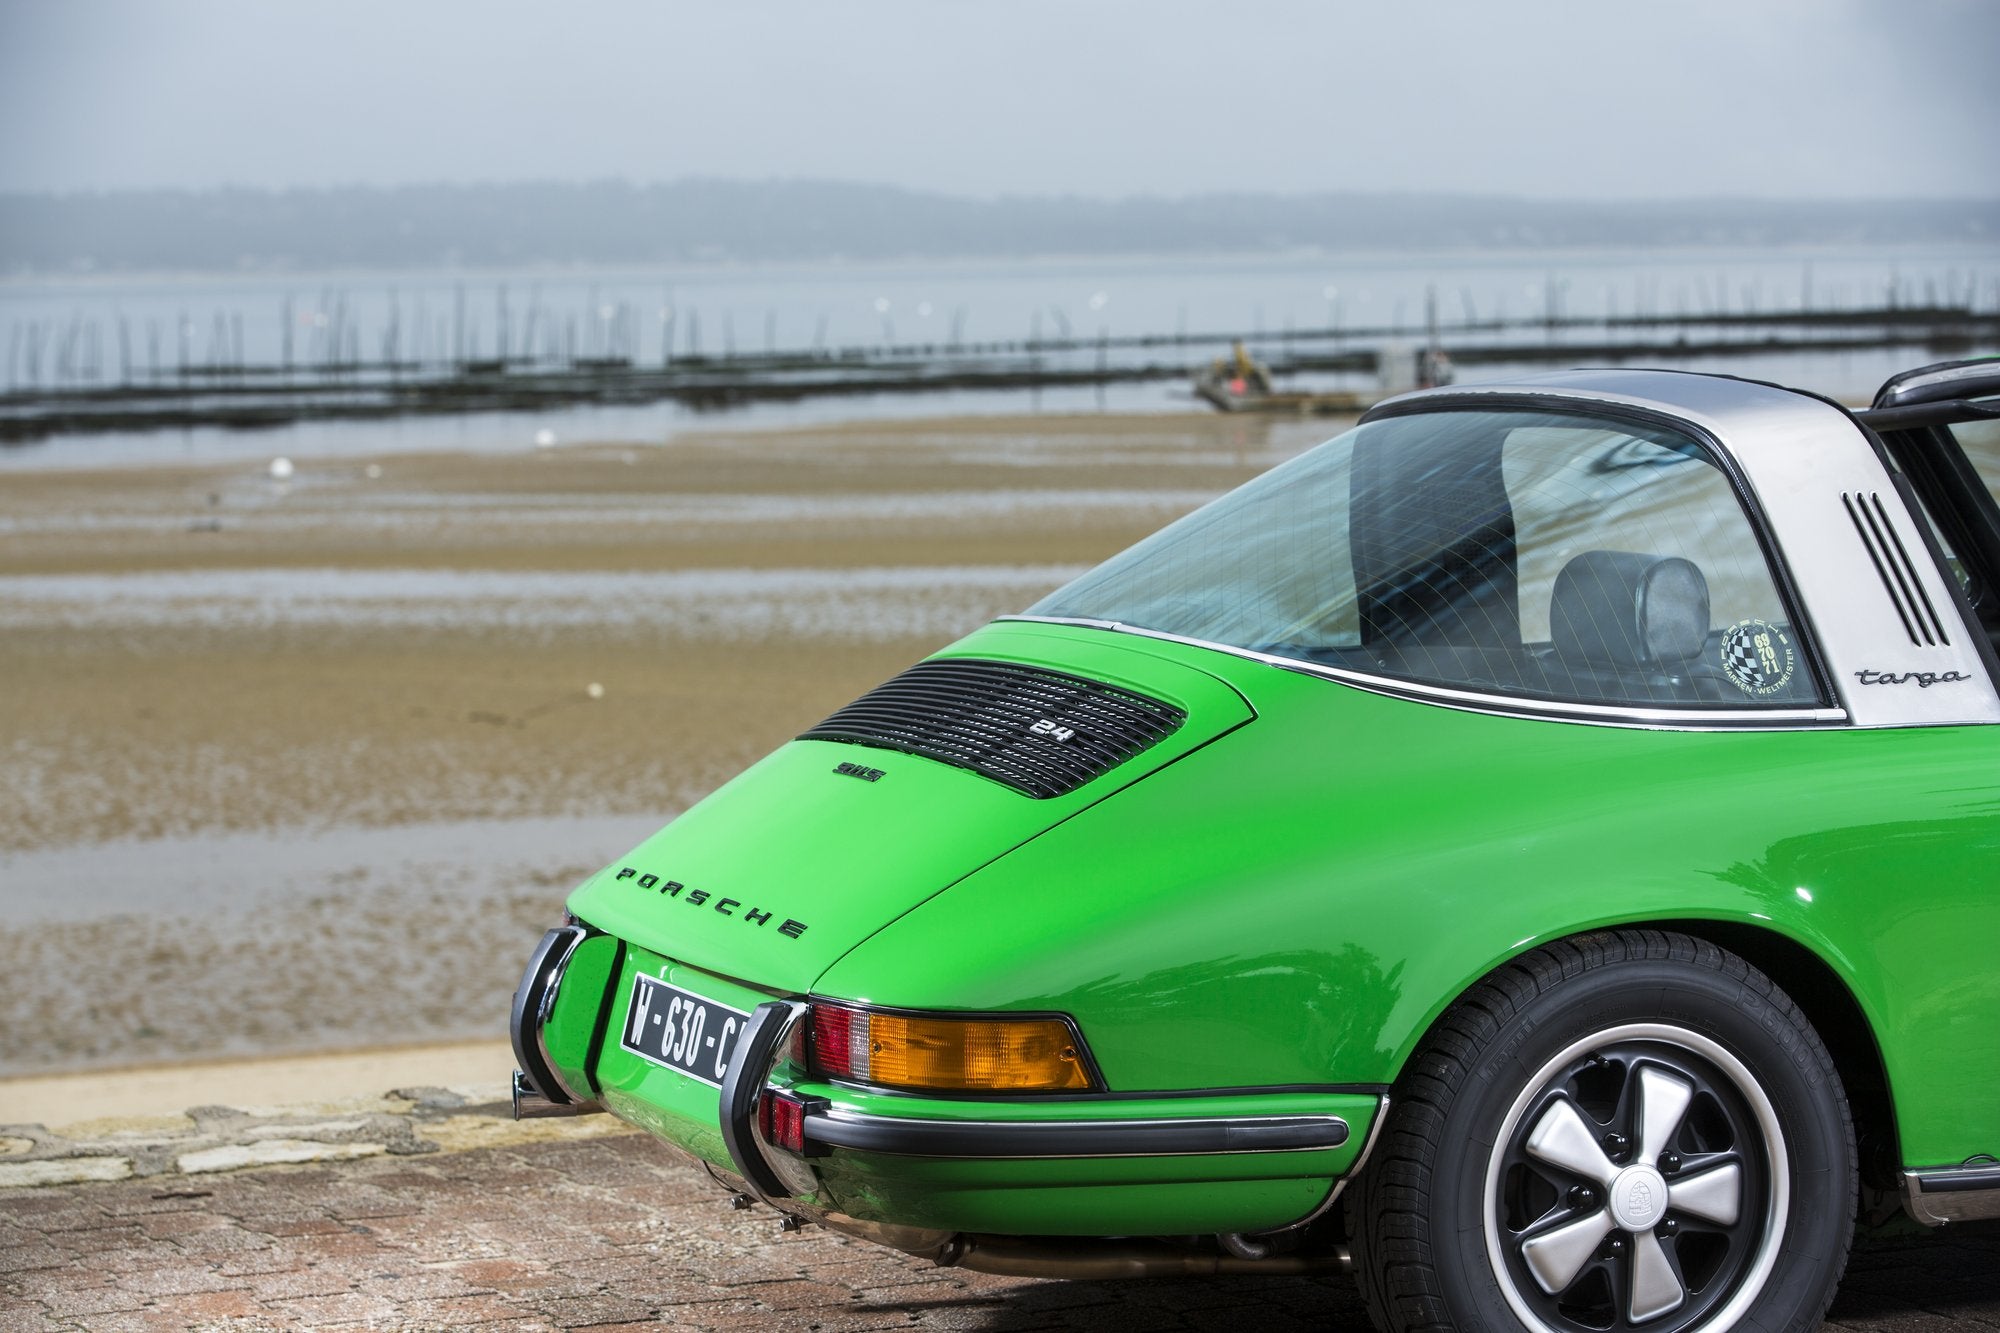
310 765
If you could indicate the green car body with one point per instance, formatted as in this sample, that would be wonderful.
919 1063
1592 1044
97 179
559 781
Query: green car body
1262 925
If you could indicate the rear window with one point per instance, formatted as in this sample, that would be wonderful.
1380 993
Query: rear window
1553 556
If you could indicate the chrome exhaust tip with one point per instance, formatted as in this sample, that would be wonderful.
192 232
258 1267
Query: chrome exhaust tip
531 1104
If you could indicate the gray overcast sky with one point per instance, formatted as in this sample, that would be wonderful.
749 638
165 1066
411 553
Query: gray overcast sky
1672 98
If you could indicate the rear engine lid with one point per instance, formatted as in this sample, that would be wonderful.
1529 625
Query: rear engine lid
903 793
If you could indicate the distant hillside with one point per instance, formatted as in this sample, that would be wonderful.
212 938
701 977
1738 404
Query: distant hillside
701 220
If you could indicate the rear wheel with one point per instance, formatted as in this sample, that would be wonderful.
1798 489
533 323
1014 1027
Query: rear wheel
1627 1130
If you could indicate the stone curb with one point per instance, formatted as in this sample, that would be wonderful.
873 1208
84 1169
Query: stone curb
206 1139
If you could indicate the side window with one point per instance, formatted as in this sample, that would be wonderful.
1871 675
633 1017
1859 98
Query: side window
1558 556
1641 580
1575 491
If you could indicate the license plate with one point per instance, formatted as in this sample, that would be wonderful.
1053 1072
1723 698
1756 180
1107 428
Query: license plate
684 1032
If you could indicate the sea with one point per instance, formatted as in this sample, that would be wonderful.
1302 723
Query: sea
98 330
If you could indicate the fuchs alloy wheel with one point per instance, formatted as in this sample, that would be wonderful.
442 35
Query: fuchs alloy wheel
1626 1130
1642 1173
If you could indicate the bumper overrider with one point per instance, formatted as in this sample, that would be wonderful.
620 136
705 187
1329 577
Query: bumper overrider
538 1089
961 1179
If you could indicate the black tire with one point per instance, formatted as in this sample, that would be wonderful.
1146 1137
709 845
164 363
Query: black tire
1501 1196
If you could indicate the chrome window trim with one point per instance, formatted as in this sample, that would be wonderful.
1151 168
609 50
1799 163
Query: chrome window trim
1499 705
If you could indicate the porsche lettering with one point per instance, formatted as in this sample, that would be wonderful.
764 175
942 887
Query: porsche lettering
673 888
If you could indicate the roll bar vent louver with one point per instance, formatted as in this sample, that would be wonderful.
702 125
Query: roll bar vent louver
1898 574
1040 732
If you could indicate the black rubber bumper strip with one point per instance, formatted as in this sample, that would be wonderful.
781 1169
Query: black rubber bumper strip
1074 1138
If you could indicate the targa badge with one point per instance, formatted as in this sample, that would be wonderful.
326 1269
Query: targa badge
1758 657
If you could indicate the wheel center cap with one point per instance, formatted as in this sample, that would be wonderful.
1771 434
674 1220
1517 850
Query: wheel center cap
1638 1198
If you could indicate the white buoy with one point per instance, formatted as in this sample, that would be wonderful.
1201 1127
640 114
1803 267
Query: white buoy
545 439
373 471
594 690
281 469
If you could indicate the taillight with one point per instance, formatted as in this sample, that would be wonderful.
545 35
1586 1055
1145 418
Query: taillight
945 1053
782 1117
836 1030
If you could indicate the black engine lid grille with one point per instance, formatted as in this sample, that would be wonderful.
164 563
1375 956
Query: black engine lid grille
1040 732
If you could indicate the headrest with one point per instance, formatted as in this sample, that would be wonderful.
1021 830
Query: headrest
1619 608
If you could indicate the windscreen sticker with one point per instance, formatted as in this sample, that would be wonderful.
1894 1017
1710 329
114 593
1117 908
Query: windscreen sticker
1758 657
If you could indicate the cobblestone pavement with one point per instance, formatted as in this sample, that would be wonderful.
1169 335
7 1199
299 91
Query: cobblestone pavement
569 1232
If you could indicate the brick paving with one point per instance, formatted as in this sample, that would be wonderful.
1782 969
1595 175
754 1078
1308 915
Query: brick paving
609 1232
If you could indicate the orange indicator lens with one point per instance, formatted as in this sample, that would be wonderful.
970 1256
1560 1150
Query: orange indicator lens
948 1054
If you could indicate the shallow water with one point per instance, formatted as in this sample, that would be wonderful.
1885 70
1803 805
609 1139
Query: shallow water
807 305
881 603
223 874
389 511
511 432
1849 376
136 951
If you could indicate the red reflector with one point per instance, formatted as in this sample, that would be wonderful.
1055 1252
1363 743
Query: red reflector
783 1118
833 1040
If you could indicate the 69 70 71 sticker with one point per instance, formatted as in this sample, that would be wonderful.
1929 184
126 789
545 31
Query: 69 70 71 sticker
1758 657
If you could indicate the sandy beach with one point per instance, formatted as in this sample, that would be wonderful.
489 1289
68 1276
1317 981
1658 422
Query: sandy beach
307 765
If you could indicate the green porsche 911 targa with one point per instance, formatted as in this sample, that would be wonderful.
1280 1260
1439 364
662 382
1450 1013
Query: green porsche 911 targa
1536 849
